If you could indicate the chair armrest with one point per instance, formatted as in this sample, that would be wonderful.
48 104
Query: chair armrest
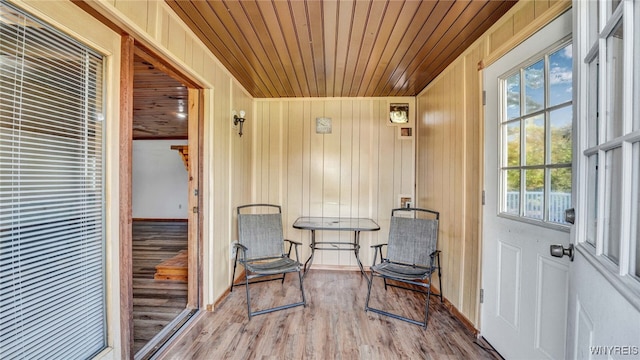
378 248
240 246
293 242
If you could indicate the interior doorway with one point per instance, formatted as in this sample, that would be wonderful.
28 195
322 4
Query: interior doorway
165 240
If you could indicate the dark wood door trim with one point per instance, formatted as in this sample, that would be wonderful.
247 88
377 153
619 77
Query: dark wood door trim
125 173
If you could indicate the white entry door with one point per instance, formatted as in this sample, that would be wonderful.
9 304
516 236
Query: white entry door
528 133
604 296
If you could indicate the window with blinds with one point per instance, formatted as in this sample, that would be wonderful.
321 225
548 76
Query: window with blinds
52 243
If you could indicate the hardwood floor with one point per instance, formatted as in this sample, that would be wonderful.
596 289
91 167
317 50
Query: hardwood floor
155 302
333 325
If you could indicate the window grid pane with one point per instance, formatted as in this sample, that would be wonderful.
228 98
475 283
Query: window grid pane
534 143
592 200
536 138
560 194
560 122
534 194
613 214
635 264
615 74
534 89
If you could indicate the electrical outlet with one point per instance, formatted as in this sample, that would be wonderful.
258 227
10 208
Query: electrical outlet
409 204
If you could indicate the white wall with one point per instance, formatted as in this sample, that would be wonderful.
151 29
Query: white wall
160 181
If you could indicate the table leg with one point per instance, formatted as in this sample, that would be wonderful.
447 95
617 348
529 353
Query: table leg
356 249
313 250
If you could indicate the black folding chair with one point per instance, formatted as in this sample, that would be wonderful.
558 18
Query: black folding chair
260 250
412 257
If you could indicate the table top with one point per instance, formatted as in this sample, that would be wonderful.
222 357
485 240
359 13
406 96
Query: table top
335 223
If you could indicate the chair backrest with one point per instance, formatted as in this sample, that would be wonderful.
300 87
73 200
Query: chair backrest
412 239
261 233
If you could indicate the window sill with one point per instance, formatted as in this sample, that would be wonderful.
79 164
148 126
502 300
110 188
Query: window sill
548 225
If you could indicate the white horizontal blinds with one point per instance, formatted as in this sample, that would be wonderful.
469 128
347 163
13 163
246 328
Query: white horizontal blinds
52 266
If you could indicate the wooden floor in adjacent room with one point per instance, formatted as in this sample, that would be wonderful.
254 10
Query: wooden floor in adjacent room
155 302
333 325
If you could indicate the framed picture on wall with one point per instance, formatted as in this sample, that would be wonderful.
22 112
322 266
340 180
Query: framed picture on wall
399 113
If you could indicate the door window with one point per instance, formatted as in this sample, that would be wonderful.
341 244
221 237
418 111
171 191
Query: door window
612 150
536 137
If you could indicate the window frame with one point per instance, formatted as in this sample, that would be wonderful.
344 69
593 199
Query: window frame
547 165
601 145
76 158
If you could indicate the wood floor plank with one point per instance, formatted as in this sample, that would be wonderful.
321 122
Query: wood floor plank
155 302
333 325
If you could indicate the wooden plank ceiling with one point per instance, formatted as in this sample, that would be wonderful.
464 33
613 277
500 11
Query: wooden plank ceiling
159 101
337 48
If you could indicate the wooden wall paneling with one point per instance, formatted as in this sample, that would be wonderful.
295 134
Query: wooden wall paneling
261 153
136 11
501 35
474 130
223 148
331 175
345 204
364 182
541 6
458 176
384 167
293 113
524 17
197 58
274 164
316 167
307 131
177 37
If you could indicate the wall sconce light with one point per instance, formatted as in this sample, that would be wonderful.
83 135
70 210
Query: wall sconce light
239 119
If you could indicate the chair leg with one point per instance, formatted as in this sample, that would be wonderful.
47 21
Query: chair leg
426 309
233 276
246 280
366 304
439 277
396 316
304 300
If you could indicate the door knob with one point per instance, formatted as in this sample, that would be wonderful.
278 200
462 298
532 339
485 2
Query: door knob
559 251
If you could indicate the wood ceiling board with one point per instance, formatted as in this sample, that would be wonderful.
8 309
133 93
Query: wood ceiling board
280 53
400 25
327 48
422 36
382 34
483 19
361 13
303 41
371 31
